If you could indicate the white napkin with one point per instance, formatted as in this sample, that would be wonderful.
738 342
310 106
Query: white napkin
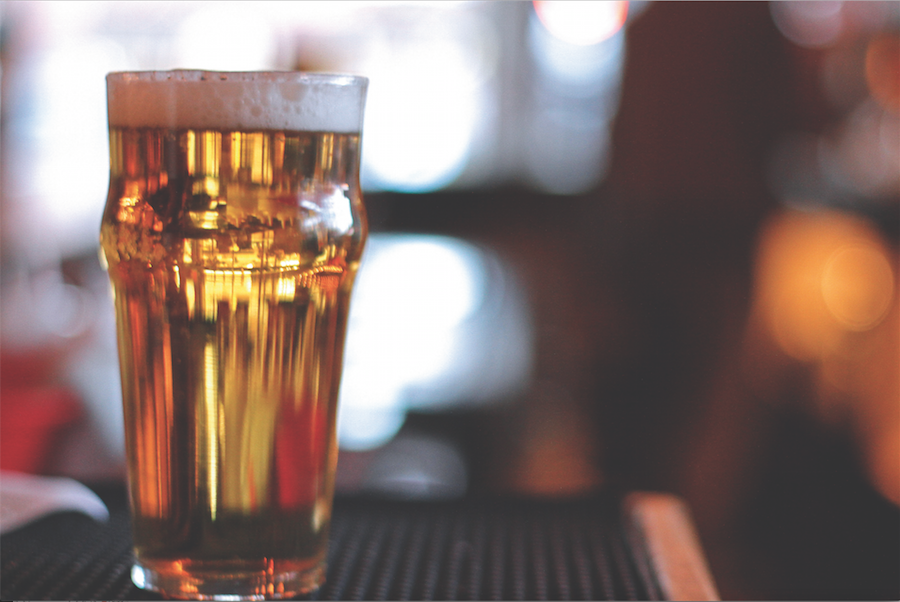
25 497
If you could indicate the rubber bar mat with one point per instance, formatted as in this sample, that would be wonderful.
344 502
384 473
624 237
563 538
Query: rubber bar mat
380 550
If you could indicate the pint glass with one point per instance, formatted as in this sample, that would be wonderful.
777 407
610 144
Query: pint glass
232 234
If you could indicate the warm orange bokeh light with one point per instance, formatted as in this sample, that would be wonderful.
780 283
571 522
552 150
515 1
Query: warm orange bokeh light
820 276
827 294
583 22
857 285
883 70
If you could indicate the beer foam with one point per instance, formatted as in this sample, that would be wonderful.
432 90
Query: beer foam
286 100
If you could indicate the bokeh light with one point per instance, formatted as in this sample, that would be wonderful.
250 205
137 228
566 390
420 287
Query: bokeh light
883 70
428 97
68 186
827 284
577 87
434 323
421 130
584 22
861 156
814 24
226 37
857 285
820 276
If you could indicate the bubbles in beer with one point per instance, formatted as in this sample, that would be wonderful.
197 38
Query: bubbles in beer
232 254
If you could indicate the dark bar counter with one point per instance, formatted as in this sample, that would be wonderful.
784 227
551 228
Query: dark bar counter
606 547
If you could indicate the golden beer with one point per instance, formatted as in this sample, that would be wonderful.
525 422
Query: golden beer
232 247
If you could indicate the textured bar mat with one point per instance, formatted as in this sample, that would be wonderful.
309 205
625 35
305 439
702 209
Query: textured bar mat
380 550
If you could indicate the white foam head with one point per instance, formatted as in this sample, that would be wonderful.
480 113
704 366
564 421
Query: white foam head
272 100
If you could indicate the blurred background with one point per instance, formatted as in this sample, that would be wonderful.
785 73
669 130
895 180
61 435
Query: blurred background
657 243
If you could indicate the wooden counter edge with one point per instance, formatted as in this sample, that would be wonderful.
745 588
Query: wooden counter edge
672 544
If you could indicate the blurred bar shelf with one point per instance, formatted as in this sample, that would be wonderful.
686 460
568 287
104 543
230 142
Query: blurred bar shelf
640 546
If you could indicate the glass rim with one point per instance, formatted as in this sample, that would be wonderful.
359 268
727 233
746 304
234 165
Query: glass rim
274 76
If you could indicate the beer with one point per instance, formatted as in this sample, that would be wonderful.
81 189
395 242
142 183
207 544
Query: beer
232 247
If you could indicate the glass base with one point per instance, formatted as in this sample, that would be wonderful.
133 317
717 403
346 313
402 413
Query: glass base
228 580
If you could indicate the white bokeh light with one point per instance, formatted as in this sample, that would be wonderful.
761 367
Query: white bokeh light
70 172
577 87
582 22
428 95
227 37
432 324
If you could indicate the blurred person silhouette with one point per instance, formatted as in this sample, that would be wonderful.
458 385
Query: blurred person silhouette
651 369
693 394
